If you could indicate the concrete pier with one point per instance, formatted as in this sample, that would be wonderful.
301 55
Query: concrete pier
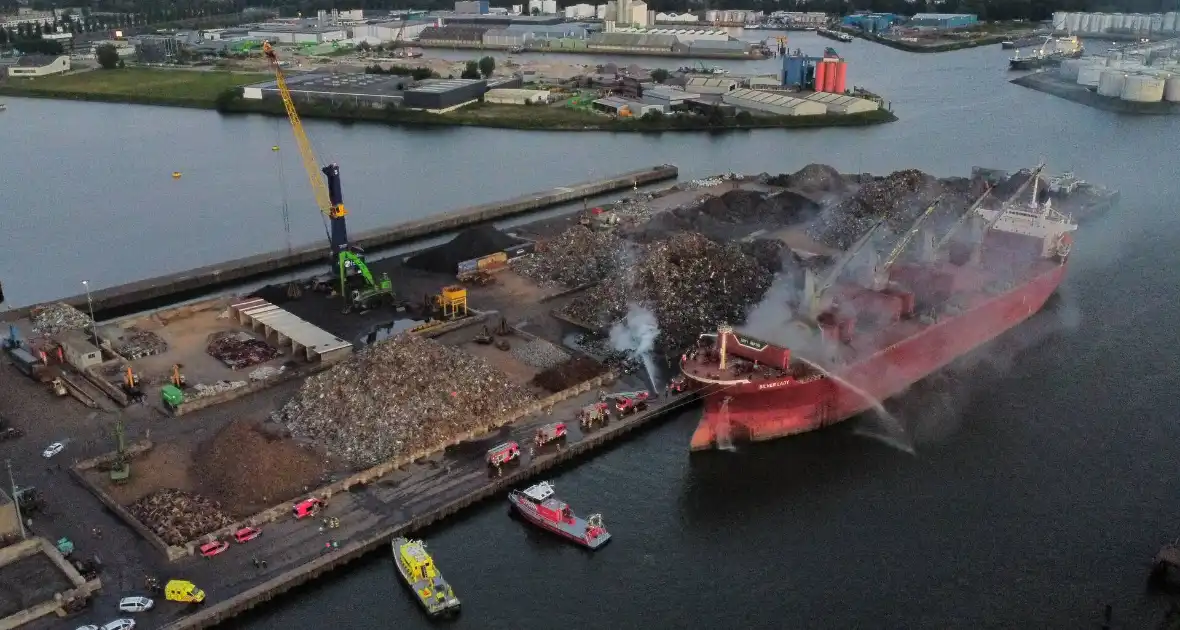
189 284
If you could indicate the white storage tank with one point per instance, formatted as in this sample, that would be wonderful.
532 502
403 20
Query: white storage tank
1170 21
1072 21
1172 89
1156 22
1111 82
1068 69
1107 23
1088 75
1142 88
1059 20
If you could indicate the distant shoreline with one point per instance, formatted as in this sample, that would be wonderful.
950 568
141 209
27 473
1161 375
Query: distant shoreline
220 91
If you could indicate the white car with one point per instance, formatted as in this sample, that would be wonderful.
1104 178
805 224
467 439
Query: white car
118 624
135 604
53 449
89 627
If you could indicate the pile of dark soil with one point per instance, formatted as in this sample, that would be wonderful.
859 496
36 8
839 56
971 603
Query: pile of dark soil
252 471
716 216
471 243
568 374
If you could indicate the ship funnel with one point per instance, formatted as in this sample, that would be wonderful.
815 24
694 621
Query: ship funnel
723 333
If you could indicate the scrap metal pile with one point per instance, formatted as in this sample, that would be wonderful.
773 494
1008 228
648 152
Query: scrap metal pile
177 516
689 282
573 372
540 354
251 471
731 214
899 197
399 396
137 344
239 349
576 257
50 319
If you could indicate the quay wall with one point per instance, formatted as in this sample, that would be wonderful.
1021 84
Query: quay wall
214 614
191 283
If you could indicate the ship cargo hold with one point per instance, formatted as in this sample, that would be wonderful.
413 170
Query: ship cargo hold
858 341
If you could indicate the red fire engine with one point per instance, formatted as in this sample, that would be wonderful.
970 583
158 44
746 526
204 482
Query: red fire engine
503 453
550 433
594 414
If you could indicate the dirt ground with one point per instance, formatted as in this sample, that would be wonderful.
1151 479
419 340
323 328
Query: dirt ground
243 468
29 581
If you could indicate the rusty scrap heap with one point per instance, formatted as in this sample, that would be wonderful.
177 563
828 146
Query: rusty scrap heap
689 282
400 396
576 257
177 516
51 319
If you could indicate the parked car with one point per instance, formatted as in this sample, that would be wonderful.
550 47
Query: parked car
53 449
211 549
135 604
246 534
119 624
89 627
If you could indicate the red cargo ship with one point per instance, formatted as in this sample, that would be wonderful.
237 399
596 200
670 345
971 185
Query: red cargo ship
863 341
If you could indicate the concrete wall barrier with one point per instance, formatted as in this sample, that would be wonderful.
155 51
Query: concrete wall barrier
251 387
105 386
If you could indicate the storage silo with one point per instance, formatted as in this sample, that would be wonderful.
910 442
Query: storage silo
1170 22
1089 74
1156 22
1111 82
1068 69
1142 88
1084 24
1073 21
1120 20
1142 24
1059 20
1172 89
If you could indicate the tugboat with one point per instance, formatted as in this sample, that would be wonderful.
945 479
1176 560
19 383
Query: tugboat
419 573
538 505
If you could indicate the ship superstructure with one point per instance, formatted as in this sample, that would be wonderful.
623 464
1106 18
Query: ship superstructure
855 339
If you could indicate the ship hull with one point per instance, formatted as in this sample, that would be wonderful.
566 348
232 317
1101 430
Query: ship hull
769 410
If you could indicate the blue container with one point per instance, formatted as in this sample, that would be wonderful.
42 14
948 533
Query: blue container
793 70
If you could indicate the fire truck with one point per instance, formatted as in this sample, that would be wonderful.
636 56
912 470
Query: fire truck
678 384
598 413
630 402
503 453
550 433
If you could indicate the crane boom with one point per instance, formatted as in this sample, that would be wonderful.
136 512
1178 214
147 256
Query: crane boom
963 218
326 189
1036 174
908 236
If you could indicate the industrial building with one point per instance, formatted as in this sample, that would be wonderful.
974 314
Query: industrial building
78 350
39 65
632 12
677 18
681 34
477 7
872 22
629 42
734 17
772 103
711 48
390 31
580 12
157 48
298 33
491 20
624 107
668 97
452 35
509 96
359 90
842 104
942 20
444 95
705 85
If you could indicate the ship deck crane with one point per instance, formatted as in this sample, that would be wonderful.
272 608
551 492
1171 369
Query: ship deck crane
970 212
815 294
327 189
881 272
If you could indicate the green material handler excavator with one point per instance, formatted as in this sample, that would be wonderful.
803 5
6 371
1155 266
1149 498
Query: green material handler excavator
375 292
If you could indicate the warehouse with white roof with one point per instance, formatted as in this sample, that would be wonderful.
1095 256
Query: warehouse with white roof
773 103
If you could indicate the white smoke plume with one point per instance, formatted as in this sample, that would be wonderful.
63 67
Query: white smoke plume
636 335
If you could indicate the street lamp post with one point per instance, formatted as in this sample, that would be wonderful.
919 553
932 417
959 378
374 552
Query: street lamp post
15 500
93 324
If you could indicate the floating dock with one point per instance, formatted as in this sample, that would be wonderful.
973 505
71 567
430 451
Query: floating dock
196 282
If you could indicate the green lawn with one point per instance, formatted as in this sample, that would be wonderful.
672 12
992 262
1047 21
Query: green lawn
144 85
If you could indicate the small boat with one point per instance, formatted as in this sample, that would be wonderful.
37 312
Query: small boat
538 505
419 573
3 107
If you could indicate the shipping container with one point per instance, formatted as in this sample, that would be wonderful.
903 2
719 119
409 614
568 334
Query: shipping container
468 265
494 261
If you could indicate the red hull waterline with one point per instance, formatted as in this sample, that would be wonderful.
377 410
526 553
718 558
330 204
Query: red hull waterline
761 392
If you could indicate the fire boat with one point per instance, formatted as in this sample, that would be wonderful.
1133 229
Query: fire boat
538 505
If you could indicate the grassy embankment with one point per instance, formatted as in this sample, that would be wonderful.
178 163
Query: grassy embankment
147 86
213 90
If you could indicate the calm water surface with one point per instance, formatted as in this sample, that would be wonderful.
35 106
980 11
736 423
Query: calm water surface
1044 479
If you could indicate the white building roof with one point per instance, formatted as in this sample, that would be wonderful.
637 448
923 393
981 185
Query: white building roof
670 93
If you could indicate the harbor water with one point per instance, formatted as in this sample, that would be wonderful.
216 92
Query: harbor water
1043 475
